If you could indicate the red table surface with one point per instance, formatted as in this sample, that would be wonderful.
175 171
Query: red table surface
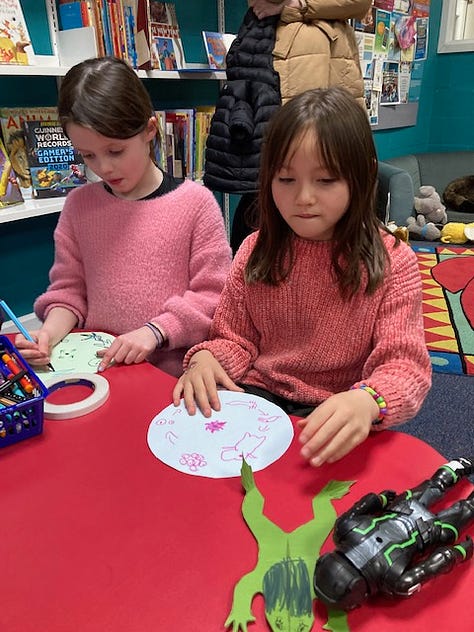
98 535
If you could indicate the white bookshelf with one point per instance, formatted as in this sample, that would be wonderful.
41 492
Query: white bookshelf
31 208
70 47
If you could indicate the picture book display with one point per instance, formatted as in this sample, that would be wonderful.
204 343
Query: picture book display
15 41
247 427
9 188
217 46
55 166
11 120
158 40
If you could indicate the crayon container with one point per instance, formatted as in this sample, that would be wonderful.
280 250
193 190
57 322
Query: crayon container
24 418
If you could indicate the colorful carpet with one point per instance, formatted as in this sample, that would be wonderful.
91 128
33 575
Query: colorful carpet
448 306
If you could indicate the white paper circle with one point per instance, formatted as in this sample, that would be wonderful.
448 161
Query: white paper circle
246 426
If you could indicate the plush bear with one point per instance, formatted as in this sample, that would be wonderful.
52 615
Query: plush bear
419 227
430 206
457 233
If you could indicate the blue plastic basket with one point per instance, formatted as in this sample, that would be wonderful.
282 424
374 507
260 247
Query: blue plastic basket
25 418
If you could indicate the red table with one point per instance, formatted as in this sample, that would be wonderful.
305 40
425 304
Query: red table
97 535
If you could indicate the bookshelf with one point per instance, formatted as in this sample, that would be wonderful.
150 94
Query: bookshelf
52 65
37 85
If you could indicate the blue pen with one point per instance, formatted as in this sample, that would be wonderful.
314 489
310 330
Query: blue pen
18 325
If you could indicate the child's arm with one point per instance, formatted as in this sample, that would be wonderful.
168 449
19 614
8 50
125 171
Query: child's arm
337 426
198 384
58 323
130 348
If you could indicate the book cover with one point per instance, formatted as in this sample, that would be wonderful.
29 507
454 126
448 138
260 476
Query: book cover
158 40
216 49
166 54
11 121
71 16
9 188
55 166
15 41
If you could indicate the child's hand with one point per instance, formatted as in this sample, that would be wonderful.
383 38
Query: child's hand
198 384
36 353
130 348
337 426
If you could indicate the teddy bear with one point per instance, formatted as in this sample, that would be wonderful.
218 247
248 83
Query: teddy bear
457 233
419 227
430 206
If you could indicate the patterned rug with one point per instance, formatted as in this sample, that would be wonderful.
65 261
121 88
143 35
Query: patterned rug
448 306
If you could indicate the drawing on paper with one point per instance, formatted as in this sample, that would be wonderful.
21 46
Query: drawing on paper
247 427
77 352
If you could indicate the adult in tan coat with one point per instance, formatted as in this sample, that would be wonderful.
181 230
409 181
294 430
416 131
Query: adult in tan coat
315 46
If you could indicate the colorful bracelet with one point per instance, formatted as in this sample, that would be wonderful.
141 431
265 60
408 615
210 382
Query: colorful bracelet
379 400
160 340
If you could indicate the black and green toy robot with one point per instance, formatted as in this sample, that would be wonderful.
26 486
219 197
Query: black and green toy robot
386 543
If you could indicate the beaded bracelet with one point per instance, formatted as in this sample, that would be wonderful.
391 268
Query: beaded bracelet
160 341
379 400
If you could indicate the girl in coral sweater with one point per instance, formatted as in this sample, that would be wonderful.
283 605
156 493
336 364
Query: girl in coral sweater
321 312
138 254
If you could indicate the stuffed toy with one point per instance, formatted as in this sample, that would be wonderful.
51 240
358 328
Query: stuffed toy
398 231
459 194
430 206
420 228
457 233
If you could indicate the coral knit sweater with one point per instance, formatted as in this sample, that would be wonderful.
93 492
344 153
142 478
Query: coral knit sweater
120 263
302 341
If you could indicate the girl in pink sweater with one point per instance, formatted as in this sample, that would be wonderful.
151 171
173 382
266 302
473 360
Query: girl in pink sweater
138 254
321 312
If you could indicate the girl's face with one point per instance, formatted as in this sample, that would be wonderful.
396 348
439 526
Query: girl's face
309 199
122 163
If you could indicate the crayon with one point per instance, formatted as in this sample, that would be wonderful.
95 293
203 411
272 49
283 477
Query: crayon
11 363
18 325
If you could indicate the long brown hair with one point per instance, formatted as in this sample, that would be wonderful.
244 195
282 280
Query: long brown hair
105 95
344 141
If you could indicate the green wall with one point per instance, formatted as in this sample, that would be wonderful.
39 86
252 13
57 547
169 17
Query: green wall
444 123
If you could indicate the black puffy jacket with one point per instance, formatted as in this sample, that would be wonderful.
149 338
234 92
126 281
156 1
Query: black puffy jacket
246 102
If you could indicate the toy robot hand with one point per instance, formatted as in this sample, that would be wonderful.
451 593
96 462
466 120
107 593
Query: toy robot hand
389 494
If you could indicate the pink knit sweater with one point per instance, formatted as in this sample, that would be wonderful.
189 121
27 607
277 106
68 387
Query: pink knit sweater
119 263
301 341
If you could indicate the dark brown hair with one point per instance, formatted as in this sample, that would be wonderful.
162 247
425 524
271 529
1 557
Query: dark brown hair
344 141
106 95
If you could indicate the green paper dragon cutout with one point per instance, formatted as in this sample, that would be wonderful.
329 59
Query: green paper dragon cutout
284 570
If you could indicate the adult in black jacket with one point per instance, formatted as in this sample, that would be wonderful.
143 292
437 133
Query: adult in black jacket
246 103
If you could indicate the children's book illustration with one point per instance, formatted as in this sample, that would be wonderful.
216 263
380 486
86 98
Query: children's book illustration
247 426
77 352
216 50
285 565
15 41
9 188
12 120
55 166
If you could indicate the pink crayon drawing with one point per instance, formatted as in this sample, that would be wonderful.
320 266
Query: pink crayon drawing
215 426
268 419
194 461
264 428
245 447
171 436
162 422
251 404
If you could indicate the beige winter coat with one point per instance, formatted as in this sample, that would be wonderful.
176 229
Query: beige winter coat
315 47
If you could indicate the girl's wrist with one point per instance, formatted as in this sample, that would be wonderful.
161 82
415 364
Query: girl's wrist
378 399
158 333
